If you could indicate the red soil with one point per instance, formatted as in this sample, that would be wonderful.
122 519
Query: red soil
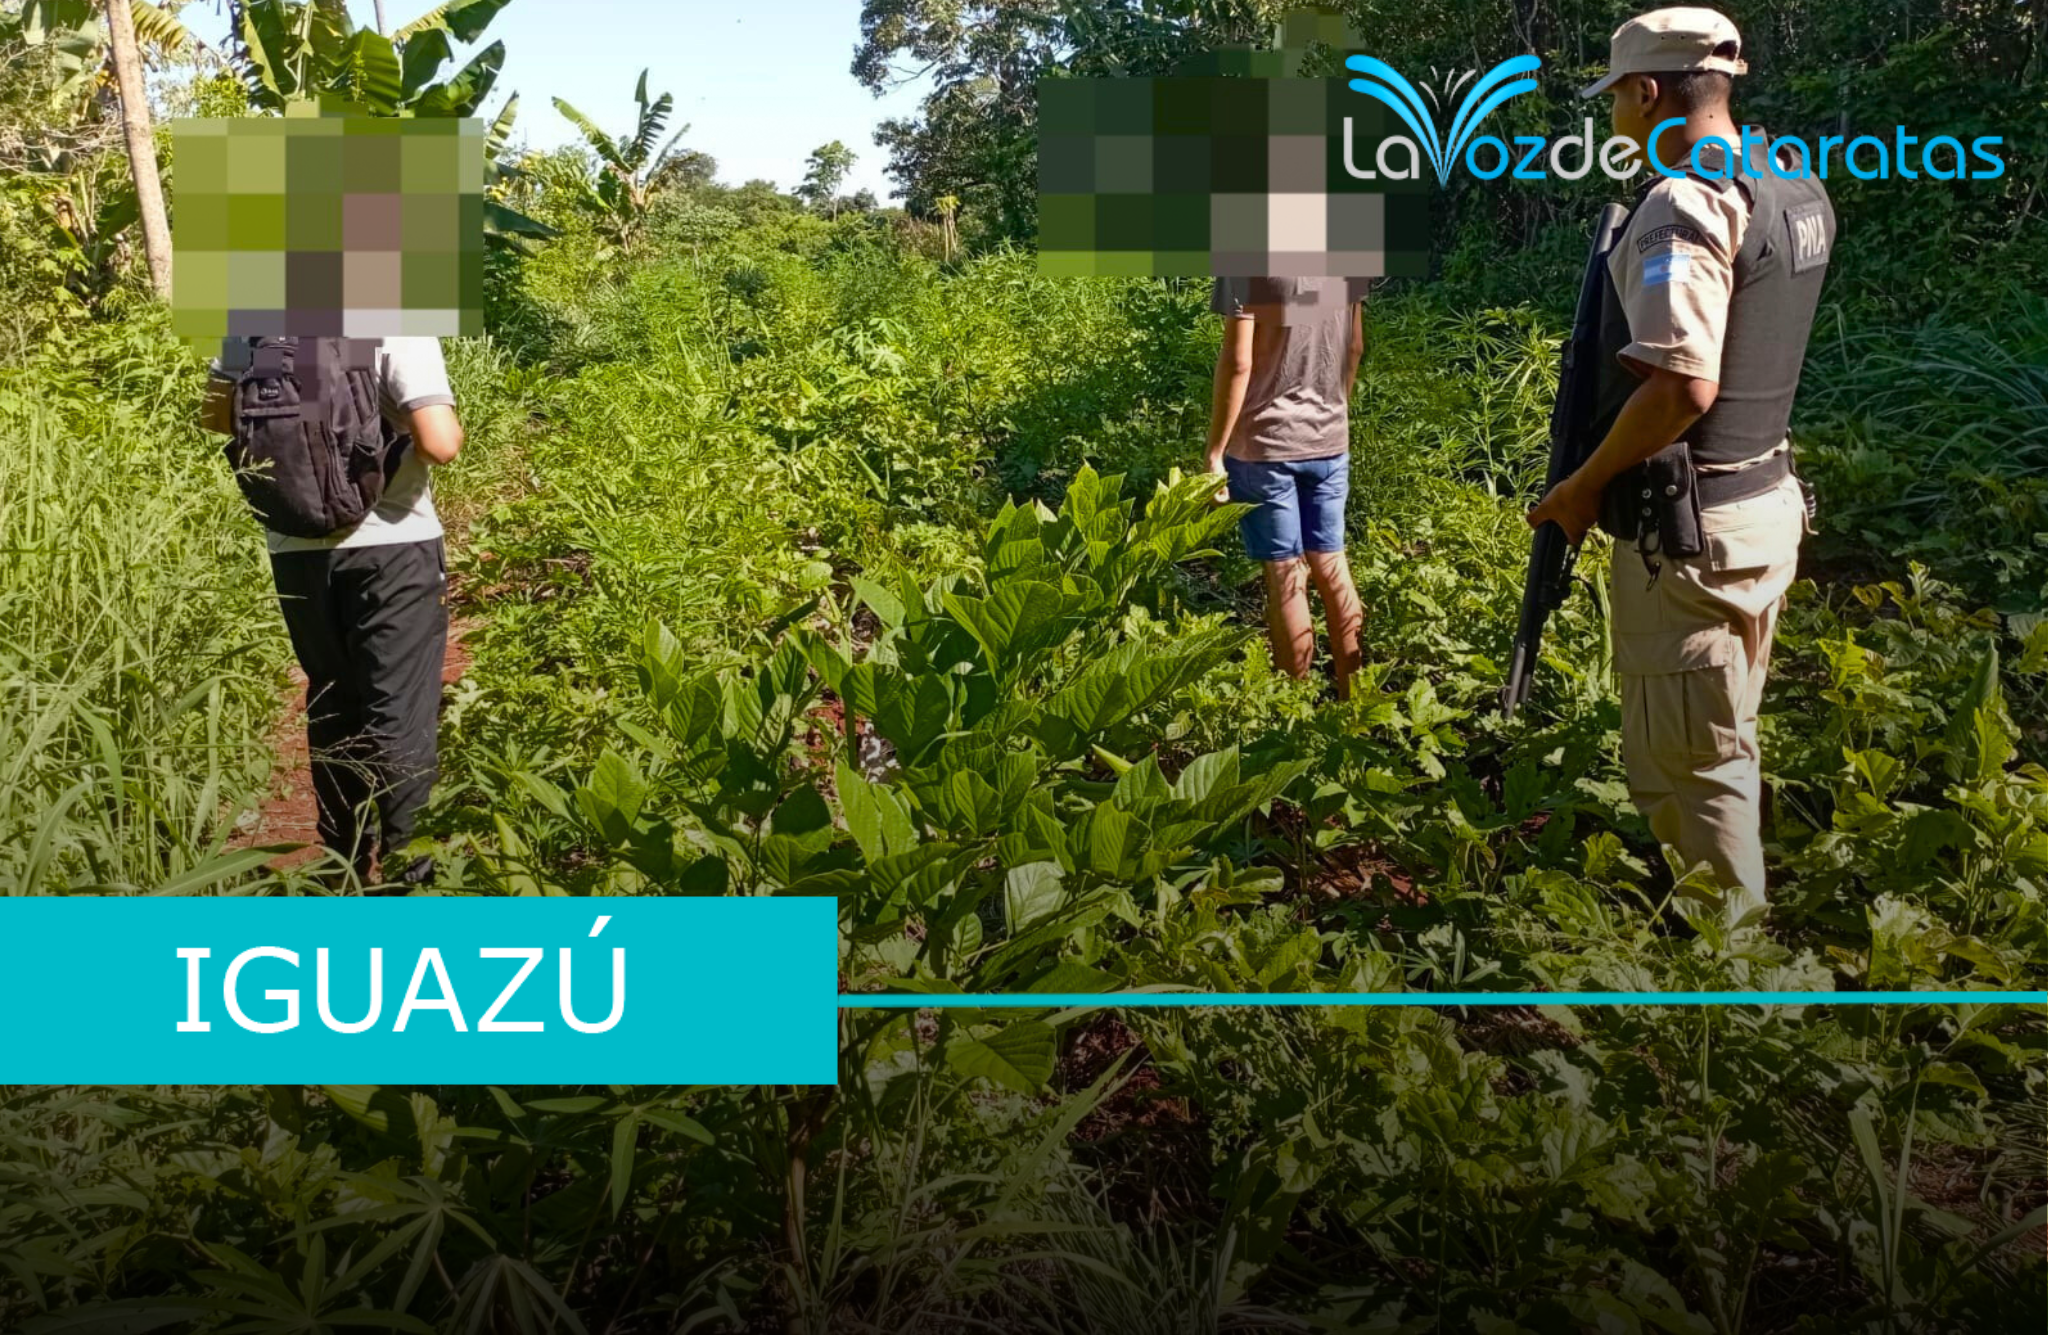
288 816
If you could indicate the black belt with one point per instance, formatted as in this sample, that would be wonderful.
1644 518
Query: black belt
1743 484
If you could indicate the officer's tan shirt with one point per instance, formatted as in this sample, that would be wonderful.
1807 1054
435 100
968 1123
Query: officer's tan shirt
1675 271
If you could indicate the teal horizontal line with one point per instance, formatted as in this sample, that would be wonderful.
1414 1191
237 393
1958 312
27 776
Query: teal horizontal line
1184 1000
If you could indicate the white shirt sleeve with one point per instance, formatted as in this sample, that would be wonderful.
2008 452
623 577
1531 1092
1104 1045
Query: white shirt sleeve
415 375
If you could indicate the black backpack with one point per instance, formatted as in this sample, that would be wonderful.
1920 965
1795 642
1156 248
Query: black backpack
311 450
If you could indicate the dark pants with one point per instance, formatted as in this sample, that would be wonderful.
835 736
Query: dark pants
370 627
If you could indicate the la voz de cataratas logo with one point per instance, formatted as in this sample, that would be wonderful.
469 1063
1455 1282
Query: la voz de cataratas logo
1533 158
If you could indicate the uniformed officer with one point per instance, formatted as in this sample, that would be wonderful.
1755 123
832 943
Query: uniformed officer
1712 291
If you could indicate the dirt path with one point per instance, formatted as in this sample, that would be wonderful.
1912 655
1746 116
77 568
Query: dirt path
288 815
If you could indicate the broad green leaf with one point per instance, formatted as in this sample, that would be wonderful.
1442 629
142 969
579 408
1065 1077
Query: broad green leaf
2034 656
1031 894
1140 786
422 60
708 875
1071 976
1115 763
1019 1056
963 803
679 1124
221 868
269 46
1016 623
1207 774
804 816
853 683
461 95
625 1136
1977 741
502 218
920 876
368 74
885 605
1927 834
611 800
1955 1074
543 792
1110 840
372 1105
1993 745
1011 557
955 930
600 142
1865 1135
1098 699
911 712
501 129
1288 957
1040 831
52 20
466 19
877 818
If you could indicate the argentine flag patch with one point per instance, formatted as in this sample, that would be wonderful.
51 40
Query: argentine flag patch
1667 268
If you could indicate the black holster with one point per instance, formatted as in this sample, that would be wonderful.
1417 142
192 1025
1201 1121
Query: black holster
1656 505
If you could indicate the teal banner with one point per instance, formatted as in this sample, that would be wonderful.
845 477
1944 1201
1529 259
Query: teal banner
654 991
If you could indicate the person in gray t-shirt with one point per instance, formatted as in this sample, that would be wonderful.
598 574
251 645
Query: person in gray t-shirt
1280 433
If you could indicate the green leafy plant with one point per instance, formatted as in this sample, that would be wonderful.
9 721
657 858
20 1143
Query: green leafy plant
627 166
797 562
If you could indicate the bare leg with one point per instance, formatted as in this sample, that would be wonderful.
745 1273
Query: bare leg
1331 572
1288 627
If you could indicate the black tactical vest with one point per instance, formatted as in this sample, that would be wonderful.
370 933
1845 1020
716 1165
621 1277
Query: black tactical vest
1778 272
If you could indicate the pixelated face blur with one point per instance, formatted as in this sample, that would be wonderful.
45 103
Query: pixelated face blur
328 226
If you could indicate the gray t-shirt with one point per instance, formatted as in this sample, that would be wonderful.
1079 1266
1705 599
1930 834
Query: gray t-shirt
410 374
1296 405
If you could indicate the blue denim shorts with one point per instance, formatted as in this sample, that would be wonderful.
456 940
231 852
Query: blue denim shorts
1300 505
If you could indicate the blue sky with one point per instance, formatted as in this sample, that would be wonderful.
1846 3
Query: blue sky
760 82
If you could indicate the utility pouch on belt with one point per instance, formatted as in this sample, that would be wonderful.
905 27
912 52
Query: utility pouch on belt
1656 505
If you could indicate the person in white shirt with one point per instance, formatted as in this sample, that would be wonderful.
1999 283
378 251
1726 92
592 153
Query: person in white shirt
368 615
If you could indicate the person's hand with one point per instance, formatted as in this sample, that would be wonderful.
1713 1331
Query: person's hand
1222 496
1572 506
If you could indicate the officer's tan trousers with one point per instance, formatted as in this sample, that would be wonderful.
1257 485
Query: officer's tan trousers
1692 650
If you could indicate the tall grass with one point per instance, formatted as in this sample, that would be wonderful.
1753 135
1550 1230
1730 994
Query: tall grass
139 670
1449 399
1931 443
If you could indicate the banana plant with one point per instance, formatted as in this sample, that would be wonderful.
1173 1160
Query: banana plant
627 166
88 215
76 31
505 227
291 51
